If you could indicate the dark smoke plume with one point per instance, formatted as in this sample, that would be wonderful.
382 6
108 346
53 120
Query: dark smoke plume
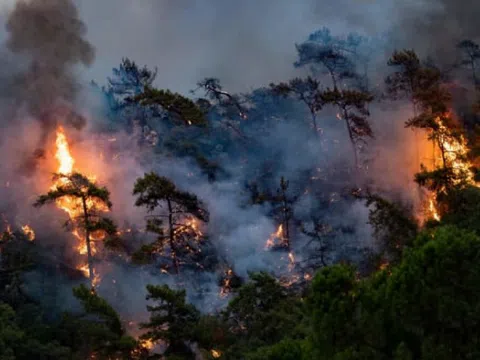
50 35
434 27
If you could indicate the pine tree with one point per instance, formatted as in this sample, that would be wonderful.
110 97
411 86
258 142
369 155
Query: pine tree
156 192
91 200
304 90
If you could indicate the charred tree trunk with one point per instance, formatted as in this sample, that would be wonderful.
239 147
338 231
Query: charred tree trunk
86 217
286 219
171 236
314 122
352 139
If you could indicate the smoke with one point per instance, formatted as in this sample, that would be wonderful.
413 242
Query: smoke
434 27
246 44
47 36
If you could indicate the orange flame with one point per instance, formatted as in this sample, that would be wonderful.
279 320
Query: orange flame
71 205
215 353
454 154
28 231
276 235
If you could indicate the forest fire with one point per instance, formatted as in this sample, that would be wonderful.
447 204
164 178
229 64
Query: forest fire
450 152
73 206
215 353
277 236
29 233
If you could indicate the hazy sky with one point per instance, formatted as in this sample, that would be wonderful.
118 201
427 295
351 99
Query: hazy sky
245 43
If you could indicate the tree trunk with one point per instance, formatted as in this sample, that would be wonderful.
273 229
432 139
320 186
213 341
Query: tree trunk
171 236
314 122
285 220
87 241
352 140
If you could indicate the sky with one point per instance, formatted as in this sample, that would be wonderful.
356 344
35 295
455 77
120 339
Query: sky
245 43
250 43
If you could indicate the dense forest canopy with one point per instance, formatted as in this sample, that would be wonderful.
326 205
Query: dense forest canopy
331 215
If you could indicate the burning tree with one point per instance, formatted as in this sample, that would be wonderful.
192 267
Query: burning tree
183 210
85 202
283 207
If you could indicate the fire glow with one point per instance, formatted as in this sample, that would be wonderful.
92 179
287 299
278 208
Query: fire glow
71 205
454 155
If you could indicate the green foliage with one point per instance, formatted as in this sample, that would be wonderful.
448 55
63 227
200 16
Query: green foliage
93 304
152 190
262 313
462 208
393 225
171 319
283 350
157 192
180 107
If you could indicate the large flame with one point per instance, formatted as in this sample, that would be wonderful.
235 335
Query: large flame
71 205
454 155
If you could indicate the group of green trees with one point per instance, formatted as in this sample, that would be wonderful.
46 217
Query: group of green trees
418 298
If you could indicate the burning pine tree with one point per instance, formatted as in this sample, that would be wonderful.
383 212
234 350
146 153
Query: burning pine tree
84 202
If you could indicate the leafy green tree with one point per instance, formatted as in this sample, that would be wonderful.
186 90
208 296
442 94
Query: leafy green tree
97 331
155 192
393 225
262 313
171 320
91 201
286 349
304 90
461 207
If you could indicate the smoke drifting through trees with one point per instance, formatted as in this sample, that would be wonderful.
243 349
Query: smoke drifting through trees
48 90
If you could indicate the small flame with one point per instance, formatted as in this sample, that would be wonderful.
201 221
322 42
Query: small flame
454 154
225 290
147 344
215 353
28 231
277 235
291 259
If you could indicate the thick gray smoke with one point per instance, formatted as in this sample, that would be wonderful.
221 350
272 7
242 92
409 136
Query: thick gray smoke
435 26
48 37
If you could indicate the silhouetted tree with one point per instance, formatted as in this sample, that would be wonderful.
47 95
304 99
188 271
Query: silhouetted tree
470 52
304 90
154 192
353 110
328 55
182 109
214 91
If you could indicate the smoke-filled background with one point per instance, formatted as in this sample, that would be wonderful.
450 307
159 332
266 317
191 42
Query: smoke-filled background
52 49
